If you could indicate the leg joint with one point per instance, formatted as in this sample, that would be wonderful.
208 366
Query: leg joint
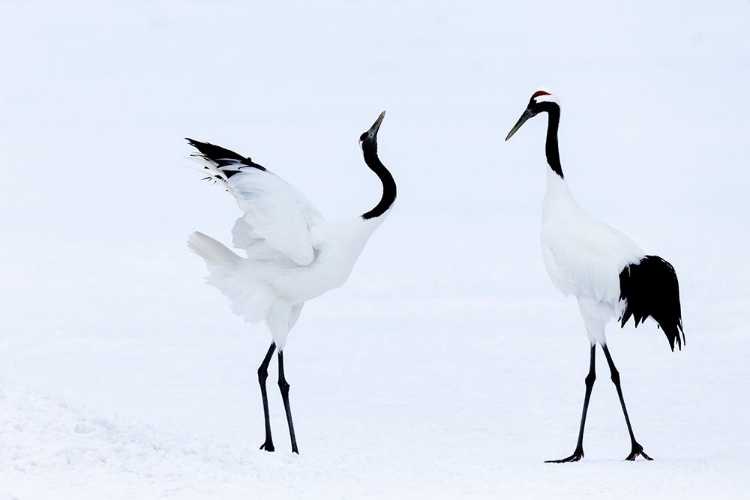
590 379
284 386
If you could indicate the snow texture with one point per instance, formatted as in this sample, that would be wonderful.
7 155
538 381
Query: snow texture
448 366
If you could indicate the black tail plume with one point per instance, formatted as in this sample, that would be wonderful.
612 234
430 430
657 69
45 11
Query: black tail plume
650 288
228 161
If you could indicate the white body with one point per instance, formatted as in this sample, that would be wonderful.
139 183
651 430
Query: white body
293 253
584 257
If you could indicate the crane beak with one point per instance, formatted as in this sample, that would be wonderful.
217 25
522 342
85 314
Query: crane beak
376 126
525 116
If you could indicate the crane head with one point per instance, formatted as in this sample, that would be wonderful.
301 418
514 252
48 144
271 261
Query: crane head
539 102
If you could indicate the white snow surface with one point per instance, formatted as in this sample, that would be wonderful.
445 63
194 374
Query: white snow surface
448 366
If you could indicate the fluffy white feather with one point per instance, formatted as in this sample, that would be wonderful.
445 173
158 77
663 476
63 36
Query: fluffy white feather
293 253
583 255
278 215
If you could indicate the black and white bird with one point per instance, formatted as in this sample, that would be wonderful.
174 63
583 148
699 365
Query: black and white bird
293 253
606 271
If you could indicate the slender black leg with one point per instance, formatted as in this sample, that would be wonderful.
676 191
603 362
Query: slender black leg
590 378
262 376
284 386
637 449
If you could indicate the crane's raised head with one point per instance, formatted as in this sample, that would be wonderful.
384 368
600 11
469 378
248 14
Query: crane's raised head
540 101
371 135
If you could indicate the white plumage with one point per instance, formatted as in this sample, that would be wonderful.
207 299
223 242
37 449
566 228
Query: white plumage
292 253
583 255
606 271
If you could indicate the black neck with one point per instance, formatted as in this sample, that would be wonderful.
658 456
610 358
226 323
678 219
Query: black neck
550 148
370 152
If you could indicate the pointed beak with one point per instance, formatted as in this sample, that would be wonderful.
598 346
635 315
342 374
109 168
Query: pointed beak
525 116
376 126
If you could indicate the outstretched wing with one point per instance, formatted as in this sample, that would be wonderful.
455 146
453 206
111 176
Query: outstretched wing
278 218
276 212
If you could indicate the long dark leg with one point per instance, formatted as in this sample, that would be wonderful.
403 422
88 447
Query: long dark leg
284 386
637 449
262 376
590 378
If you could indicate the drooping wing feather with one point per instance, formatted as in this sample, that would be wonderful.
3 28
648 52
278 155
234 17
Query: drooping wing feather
651 288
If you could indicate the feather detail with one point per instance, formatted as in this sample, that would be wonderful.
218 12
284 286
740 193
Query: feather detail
650 288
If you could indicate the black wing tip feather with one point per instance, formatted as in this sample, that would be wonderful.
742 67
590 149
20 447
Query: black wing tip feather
650 288
227 160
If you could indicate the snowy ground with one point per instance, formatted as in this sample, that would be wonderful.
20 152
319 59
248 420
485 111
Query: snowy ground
448 366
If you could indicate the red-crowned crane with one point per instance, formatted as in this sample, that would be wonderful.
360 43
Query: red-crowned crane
609 274
293 253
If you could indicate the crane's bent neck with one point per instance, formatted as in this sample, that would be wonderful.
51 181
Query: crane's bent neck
558 200
551 147
370 152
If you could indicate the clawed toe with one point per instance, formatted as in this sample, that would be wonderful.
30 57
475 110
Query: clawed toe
267 446
636 451
575 457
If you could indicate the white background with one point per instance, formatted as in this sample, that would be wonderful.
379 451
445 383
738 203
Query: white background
448 366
